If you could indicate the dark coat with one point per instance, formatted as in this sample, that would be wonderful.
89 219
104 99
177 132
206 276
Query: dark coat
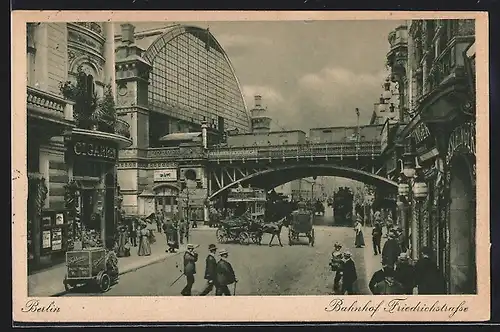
377 278
391 251
190 260
349 274
225 273
428 278
210 268
377 231
405 274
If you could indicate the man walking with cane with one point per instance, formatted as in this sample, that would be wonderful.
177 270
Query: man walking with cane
190 259
225 275
210 270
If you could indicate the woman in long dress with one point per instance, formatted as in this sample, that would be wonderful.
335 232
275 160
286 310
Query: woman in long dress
360 240
144 245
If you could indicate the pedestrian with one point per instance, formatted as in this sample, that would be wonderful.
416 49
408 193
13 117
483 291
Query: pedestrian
349 275
210 270
360 241
182 231
190 259
376 238
225 275
132 226
336 264
428 278
404 273
158 220
144 245
391 249
112 260
383 281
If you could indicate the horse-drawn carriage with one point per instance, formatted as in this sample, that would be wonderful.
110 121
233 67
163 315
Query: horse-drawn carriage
242 229
301 225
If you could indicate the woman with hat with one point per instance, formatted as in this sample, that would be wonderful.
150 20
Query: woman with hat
336 264
360 240
144 245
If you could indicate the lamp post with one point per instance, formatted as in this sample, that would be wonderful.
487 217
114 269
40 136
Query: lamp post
411 189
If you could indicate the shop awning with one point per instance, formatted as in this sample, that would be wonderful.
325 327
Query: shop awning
180 137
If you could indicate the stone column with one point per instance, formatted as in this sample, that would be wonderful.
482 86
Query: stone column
109 56
41 57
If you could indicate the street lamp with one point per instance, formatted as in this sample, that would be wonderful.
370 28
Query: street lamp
411 187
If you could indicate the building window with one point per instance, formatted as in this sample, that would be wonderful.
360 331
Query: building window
30 53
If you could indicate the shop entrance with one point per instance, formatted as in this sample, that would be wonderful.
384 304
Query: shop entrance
462 228
166 200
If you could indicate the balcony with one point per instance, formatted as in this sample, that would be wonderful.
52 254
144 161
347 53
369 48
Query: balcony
47 106
122 128
447 84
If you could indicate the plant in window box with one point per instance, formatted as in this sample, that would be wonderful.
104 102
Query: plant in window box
105 113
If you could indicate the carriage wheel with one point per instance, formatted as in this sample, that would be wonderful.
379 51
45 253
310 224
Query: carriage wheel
244 238
103 281
221 235
311 238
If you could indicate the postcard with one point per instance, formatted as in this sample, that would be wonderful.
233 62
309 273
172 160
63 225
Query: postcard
250 166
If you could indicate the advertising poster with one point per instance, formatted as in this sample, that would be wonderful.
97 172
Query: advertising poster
46 239
57 239
47 221
59 218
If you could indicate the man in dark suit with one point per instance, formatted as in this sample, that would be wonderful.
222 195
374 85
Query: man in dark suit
376 238
428 277
132 231
349 275
225 275
210 270
377 282
391 249
190 259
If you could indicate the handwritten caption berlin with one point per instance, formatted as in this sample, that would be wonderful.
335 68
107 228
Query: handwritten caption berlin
396 305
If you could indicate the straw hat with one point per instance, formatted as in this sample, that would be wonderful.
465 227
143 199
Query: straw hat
223 252
190 246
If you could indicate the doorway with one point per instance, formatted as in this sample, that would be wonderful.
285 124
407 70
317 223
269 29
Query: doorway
462 224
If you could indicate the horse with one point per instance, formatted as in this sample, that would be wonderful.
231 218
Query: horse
274 228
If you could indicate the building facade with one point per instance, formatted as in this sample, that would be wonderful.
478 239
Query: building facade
175 85
437 126
73 138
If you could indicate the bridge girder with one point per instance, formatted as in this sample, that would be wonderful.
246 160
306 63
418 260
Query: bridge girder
271 176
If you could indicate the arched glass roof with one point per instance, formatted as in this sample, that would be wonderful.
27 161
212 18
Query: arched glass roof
192 79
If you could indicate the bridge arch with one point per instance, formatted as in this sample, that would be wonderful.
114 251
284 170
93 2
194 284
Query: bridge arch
273 177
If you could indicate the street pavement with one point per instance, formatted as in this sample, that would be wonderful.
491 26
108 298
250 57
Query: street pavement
261 270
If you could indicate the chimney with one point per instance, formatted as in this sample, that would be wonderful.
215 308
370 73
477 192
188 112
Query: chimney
128 33
258 100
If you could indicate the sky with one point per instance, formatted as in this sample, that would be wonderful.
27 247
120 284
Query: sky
309 73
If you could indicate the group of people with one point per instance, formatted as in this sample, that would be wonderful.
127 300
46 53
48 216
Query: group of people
176 231
344 270
218 273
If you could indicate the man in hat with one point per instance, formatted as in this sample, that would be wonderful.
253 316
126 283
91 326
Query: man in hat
210 270
190 259
225 275
391 248
404 273
377 238
383 281
428 278
349 275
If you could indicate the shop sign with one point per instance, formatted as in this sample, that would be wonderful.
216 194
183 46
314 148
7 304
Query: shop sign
384 136
420 133
95 150
165 175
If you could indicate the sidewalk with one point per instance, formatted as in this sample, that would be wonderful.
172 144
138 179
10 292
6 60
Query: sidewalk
50 282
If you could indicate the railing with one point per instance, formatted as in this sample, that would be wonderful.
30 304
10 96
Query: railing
169 153
122 128
48 103
299 150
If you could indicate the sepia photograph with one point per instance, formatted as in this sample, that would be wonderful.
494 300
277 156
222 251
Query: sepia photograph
252 158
